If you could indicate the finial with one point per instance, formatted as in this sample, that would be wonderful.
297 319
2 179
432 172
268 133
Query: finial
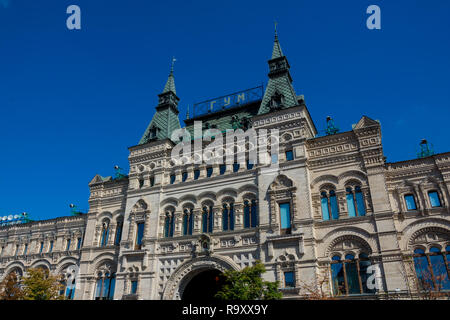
173 63
276 32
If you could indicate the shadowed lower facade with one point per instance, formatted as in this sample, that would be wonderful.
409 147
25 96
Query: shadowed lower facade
333 214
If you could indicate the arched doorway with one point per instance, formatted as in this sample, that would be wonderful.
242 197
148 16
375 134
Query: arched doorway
203 286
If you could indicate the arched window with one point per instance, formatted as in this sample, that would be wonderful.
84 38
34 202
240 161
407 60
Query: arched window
435 201
228 217
207 219
139 235
250 214
329 205
349 276
410 201
355 202
105 286
432 269
188 221
169 224
118 232
68 282
105 234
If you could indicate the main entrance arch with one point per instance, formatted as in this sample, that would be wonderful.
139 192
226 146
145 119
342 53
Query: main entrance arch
203 286
190 274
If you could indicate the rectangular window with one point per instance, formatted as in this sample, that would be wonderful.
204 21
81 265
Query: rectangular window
434 199
249 165
25 250
289 155
184 176
118 234
79 244
17 250
41 247
140 235
68 245
289 281
152 181
410 202
351 205
236 167
196 174
134 285
209 172
285 217
50 249
222 168
172 178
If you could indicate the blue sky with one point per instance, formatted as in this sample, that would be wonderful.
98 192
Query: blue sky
72 102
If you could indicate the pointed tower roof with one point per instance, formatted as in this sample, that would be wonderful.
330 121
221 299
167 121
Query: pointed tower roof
165 120
170 84
276 52
280 93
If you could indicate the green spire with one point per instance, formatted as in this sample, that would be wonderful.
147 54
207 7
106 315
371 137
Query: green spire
165 119
170 84
280 93
276 52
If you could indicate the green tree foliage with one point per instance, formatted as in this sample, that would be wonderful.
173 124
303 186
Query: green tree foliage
38 284
248 284
10 288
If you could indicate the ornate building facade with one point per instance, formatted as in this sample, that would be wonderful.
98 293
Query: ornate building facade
333 214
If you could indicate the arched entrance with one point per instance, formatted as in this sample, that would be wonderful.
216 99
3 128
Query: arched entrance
203 286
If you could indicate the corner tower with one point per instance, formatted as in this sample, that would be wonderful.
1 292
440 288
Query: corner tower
165 120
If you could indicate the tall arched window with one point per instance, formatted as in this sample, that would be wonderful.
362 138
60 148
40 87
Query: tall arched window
118 232
105 234
349 276
169 224
355 202
432 269
105 286
250 214
207 219
188 221
329 205
228 217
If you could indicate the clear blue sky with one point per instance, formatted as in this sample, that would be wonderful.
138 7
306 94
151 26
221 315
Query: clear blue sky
72 102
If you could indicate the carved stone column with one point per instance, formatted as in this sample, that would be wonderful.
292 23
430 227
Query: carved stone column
197 221
217 215
238 216
178 223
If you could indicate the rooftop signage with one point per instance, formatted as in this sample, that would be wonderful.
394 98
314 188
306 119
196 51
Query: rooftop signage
229 101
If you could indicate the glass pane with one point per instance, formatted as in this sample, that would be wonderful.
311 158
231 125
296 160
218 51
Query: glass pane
285 215
289 279
419 251
211 220
235 167
134 287
254 214
434 199
185 224
410 202
140 233
185 175
191 222
363 265
440 272
352 278
222 168
360 204
118 234
435 249
99 287
112 288
423 273
289 155
231 217
209 172
249 165
246 216
337 278
105 288
350 205
325 213
225 219
205 221
172 179
334 207
196 174
349 257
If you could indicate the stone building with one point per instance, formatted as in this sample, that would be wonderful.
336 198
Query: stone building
332 213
